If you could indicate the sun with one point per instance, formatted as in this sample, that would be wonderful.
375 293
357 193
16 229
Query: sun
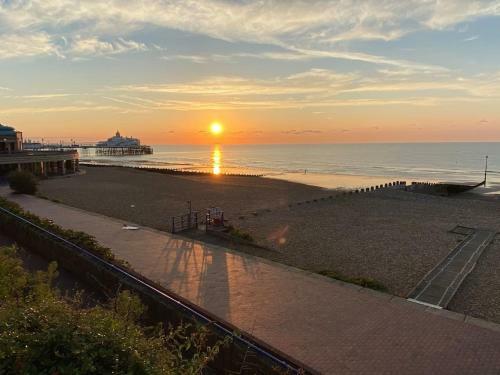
216 128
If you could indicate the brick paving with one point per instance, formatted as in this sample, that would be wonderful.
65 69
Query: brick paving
333 327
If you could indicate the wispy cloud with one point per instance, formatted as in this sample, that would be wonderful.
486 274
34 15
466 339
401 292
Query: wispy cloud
317 89
200 59
44 44
27 45
302 132
374 59
313 27
17 110
39 96
471 38
96 47
311 88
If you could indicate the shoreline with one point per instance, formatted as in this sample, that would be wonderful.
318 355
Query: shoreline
327 181
328 166
314 179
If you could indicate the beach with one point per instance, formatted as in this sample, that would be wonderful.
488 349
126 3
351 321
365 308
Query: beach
152 199
393 237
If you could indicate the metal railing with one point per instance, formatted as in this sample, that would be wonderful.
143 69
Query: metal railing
14 154
182 306
184 222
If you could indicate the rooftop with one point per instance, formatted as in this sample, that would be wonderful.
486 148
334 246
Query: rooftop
7 131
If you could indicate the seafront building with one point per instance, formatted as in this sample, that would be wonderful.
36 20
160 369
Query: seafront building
118 141
41 163
120 146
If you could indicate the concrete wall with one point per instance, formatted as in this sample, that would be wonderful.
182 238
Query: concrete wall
41 163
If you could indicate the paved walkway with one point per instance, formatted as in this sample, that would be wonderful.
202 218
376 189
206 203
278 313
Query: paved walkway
440 285
333 327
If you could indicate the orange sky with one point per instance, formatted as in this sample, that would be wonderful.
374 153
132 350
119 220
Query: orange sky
343 125
271 72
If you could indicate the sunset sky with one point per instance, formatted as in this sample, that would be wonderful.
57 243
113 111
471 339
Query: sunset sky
268 71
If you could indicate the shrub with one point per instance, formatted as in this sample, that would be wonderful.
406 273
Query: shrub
23 182
43 333
82 239
365 282
239 234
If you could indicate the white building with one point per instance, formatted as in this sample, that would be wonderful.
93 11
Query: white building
119 141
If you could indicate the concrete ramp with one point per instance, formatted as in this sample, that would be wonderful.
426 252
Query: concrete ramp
439 286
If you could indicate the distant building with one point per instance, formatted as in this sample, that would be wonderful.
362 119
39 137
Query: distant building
31 145
118 141
42 163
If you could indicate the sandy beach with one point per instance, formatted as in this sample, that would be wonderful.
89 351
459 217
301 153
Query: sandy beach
393 237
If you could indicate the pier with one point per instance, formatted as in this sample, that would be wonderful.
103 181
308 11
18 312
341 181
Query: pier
99 150
122 151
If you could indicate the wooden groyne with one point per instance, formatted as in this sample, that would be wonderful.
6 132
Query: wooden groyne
387 185
443 188
173 171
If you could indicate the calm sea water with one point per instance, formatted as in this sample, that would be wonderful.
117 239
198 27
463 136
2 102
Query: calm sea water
333 165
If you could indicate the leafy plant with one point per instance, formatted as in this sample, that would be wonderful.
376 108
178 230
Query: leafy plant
82 239
23 182
365 282
238 233
43 333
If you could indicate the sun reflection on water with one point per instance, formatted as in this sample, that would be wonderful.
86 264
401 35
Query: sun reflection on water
216 160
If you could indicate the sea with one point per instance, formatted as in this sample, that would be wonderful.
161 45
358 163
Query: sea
329 165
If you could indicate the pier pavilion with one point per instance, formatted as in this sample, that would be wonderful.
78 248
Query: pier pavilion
41 163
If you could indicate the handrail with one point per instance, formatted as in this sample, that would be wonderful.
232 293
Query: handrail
150 287
37 153
185 221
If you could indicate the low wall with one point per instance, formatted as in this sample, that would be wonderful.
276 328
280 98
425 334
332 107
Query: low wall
163 306
26 157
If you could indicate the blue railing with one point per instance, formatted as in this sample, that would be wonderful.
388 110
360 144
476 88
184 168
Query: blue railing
198 315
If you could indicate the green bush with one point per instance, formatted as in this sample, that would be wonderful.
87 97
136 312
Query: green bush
44 333
239 234
23 182
365 282
82 239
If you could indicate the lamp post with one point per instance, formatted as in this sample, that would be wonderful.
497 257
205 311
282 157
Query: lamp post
485 169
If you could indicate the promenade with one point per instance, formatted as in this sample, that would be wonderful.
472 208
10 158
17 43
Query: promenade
333 327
